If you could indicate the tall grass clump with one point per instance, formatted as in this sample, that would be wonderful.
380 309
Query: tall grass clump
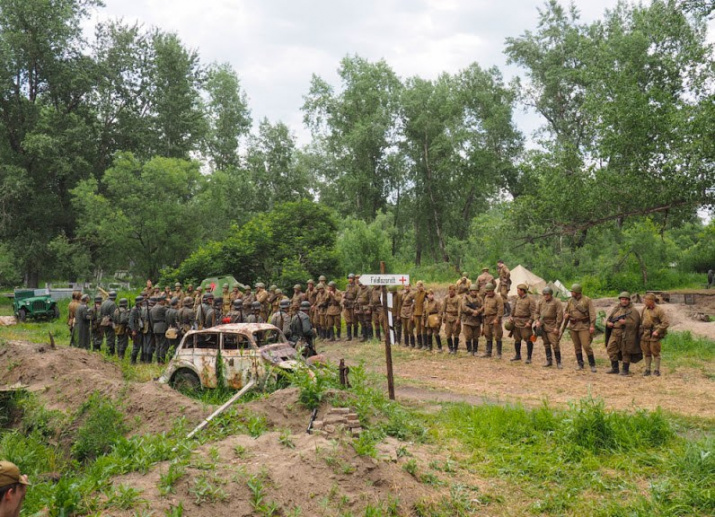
102 428
685 345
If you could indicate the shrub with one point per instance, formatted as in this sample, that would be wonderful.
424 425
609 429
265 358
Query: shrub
103 427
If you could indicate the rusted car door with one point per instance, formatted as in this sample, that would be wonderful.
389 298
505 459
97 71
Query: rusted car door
239 358
206 347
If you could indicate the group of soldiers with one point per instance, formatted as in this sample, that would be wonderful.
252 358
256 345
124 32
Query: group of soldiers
470 310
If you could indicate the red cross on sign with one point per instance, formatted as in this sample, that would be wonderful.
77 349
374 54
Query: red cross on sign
403 280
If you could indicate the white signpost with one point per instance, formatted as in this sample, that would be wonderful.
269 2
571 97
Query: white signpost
386 280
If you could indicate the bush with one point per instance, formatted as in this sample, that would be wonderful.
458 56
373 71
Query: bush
103 427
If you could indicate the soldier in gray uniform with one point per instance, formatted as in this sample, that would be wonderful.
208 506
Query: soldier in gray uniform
302 328
172 322
147 336
255 317
281 319
81 323
96 320
185 316
106 325
158 321
236 314
135 327
121 326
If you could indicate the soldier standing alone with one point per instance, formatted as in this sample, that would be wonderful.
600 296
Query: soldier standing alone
654 325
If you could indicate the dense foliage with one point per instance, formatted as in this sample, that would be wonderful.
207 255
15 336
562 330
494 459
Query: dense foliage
123 151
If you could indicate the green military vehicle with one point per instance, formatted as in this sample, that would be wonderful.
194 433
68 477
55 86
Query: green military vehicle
34 303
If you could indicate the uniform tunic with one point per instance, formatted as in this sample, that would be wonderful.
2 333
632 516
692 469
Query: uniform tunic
551 315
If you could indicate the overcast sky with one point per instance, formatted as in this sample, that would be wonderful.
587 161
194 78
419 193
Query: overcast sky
276 45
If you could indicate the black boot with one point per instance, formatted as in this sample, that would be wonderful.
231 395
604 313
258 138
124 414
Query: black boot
370 331
475 346
419 341
579 360
398 334
498 349
339 328
557 354
456 344
406 338
450 345
377 333
355 331
468 343
507 309
363 333
429 342
517 351
439 343
332 334
412 341
614 368
592 363
488 352
349 330
548 357
625 370
529 351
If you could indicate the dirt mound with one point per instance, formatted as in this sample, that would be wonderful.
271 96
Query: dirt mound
300 474
65 377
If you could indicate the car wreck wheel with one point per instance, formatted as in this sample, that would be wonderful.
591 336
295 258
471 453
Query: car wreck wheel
186 380
55 312
22 314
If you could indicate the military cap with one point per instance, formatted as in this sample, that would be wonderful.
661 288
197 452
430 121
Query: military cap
305 304
321 285
547 290
10 475
225 286
311 281
331 284
489 287
112 295
256 305
523 287
625 294
85 298
485 269
138 299
322 278
284 303
123 302
175 300
237 302
98 298
576 288
296 286
188 301
473 287
273 287
351 275
177 284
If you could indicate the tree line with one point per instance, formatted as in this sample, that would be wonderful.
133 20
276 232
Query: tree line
124 151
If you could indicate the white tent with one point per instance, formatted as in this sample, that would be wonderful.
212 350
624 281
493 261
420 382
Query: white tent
521 275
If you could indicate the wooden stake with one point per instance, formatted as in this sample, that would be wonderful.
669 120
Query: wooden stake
388 348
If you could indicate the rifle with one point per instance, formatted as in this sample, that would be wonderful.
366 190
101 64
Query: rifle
563 325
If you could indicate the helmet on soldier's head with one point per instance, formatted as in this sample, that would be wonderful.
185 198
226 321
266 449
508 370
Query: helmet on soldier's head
473 287
98 298
237 303
278 291
331 284
450 287
489 287
174 301
85 298
273 287
351 275
509 325
177 284
465 274
225 286
523 287
284 304
123 302
420 283
260 285
305 304
547 290
625 294
256 305
210 295
485 269
296 286
321 285
188 301
138 299
112 295
576 288
311 281
199 288
322 278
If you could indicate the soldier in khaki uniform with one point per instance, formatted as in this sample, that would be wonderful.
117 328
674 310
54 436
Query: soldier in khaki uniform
581 317
262 298
378 317
463 284
278 297
247 300
654 325
310 294
418 312
504 285
483 279
297 299
349 302
523 316
198 298
235 293
178 293
471 311
395 310
321 310
549 316
406 313
622 328
493 314
225 299
431 321
335 300
365 313
71 311
450 316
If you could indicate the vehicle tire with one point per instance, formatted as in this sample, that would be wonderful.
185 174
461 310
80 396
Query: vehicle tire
22 315
185 380
55 313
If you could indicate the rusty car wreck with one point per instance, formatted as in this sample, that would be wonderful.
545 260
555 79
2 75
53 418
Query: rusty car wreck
256 352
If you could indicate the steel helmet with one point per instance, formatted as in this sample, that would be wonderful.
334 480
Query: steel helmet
509 325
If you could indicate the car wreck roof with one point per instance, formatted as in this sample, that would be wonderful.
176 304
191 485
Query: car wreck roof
236 327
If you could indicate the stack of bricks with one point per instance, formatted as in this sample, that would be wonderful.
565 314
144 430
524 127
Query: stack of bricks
338 420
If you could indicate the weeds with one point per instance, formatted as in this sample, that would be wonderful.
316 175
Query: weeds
285 439
259 502
207 490
124 498
103 427
168 480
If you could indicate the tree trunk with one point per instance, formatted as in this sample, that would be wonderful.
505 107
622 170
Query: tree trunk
433 203
418 246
